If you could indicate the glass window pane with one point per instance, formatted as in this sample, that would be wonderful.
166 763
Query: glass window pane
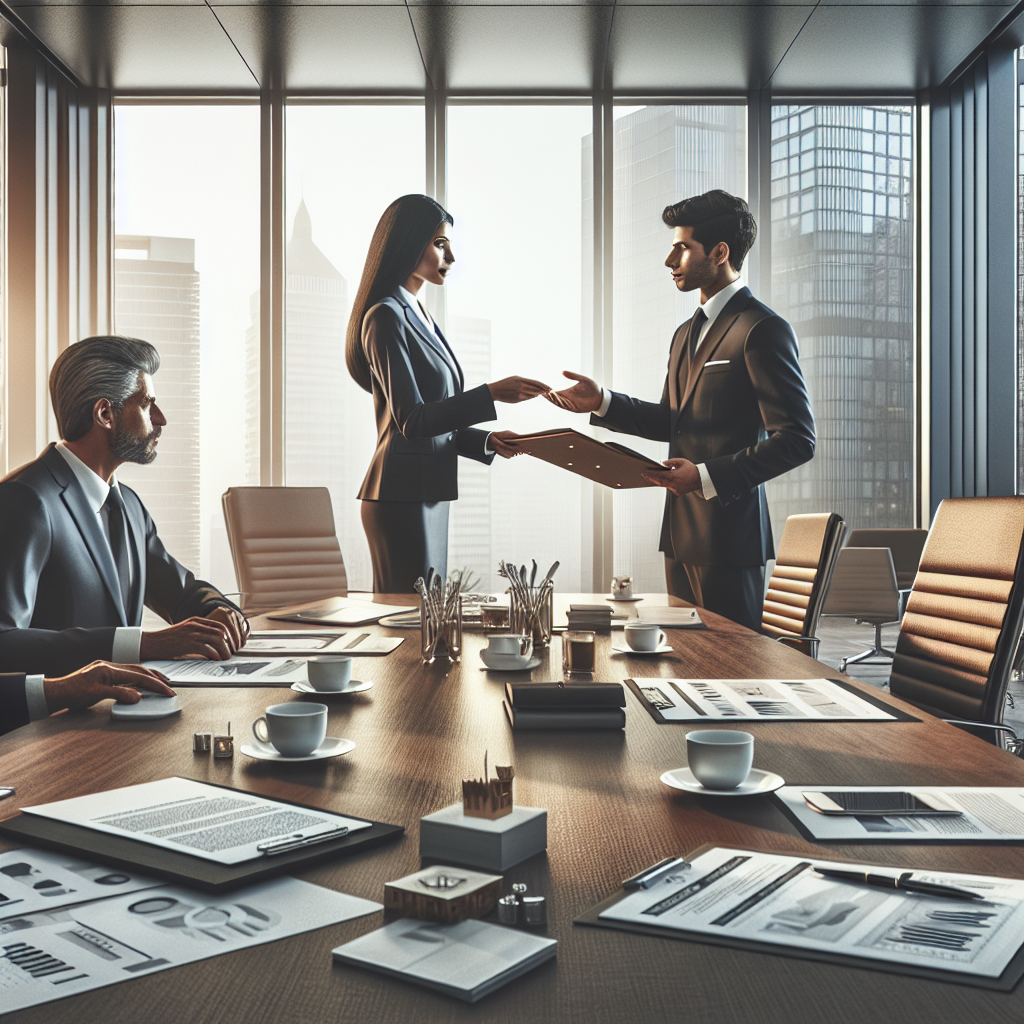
516 183
662 154
186 269
845 283
335 198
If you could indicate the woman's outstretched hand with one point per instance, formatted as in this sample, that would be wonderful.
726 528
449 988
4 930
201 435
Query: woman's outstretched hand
585 396
499 441
513 390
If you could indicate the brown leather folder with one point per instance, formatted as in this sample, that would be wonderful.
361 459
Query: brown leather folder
613 465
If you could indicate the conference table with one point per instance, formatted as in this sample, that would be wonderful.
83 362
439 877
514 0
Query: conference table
420 730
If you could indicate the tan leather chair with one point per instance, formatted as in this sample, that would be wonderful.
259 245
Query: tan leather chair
964 617
803 568
283 545
864 588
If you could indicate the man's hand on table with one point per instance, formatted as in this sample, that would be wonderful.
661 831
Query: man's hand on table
211 637
103 681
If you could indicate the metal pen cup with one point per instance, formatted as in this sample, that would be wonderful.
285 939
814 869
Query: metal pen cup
532 612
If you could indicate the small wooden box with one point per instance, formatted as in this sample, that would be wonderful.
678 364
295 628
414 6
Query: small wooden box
442 894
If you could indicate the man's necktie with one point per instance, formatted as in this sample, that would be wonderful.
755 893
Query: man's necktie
696 326
119 543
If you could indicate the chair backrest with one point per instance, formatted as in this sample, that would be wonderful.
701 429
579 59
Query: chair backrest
283 545
864 586
906 547
963 619
803 568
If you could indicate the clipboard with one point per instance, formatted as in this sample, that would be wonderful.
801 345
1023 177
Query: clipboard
181 868
1006 982
613 465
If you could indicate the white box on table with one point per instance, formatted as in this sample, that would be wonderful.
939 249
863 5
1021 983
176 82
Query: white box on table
450 835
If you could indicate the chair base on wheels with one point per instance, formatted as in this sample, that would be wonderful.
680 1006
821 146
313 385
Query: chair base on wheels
878 652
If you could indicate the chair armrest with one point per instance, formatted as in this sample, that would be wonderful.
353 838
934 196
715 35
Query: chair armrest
969 726
805 644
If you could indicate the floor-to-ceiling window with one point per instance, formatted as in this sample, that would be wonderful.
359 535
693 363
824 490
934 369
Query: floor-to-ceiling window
842 259
187 262
1020 270
344 165
662 154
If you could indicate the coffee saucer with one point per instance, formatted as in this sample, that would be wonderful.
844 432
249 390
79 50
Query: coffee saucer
355 686
331 747
612 597
756 783
507 662
626 649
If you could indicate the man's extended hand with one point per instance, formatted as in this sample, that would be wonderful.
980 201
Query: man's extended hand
204 638
103 681
499 442
683 478
584 396
237 623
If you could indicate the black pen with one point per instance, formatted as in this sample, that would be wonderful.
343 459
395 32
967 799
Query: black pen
905 883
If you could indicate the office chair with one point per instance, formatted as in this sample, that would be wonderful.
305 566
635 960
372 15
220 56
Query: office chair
283 545
963 620
864 588
799 581
906 547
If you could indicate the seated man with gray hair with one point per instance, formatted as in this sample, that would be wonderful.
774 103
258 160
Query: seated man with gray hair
79 553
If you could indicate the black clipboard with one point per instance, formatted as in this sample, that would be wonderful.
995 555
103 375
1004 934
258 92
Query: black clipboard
183 868
898 715
1004 983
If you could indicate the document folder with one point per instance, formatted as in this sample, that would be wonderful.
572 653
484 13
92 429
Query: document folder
613 465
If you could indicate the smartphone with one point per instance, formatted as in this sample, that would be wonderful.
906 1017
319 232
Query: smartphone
902 804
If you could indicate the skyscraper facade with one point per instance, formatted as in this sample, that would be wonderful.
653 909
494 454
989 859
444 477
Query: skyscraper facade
842 274
156 298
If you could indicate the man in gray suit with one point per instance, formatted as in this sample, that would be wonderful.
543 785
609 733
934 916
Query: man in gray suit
79 553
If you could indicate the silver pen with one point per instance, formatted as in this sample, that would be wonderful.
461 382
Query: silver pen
287 843
646 878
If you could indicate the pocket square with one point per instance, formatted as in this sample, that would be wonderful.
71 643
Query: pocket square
716 362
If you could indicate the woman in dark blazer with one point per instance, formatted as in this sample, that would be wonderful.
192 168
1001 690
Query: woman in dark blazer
425 415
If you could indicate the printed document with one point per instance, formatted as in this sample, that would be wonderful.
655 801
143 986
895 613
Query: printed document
236 671
782 901
989 813
734 700
223 825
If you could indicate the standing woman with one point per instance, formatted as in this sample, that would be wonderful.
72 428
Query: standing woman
424 414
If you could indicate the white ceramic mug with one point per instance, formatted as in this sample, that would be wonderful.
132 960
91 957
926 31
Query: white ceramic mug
518 645
293 730
644 636
719 758
329 671
622 586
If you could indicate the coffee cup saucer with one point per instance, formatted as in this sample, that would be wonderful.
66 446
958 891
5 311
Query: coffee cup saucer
331 747
631 600
354 686
756 783
624 648
508 662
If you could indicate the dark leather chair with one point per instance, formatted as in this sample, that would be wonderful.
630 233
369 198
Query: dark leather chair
800 579
963 620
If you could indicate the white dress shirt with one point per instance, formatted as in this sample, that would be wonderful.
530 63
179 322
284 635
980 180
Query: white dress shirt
712 308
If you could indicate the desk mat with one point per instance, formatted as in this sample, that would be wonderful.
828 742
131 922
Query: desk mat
1004 983
183 868
898 715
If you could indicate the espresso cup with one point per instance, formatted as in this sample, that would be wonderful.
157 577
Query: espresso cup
329 671
644 636
622 586
519 645
293 730
719 758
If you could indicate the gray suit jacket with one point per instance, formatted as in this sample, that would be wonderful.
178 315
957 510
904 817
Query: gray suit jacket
424 415
60 601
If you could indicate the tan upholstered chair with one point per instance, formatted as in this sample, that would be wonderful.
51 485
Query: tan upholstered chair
963 620
283 545
799 581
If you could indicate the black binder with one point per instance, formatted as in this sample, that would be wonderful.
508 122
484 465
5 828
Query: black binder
183 868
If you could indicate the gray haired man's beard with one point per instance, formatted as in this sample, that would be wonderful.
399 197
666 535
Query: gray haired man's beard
126 447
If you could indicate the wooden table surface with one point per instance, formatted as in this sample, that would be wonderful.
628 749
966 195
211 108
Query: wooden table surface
419 731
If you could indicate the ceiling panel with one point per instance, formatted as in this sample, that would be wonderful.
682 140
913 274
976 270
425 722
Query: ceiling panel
700 48
883 48
141 47
321 47
513 47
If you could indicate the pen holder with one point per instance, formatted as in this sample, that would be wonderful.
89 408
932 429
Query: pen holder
531 611
441 636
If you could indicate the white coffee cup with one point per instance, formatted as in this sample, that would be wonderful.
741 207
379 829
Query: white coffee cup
293 730
622 587
719 758
519 645
644 636
329 671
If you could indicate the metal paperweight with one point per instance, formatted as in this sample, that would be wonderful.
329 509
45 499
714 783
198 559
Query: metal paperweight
508 910
535 911
201 742
224 746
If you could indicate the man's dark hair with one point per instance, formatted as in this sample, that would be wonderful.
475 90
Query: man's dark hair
716 217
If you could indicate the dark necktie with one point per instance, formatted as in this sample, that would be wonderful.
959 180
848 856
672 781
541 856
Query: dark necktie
119 544
696 326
